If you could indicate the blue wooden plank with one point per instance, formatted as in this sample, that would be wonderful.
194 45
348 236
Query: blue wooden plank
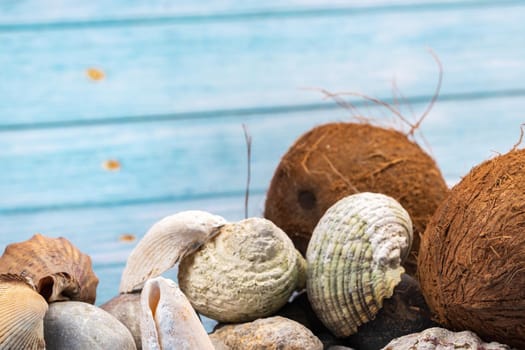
53 11
96 231
255 64
45 170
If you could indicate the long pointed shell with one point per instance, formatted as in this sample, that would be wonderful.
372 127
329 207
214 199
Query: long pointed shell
165 243
168 321
354 259
57 268
249 270
22 312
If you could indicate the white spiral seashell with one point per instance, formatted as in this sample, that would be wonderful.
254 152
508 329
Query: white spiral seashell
166 242
354 259
247 271
168 321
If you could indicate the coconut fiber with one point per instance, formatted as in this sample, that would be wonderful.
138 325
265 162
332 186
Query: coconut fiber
335 160
472 256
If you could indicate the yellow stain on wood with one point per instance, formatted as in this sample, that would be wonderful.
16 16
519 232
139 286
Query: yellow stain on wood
127 237
111 165
95 74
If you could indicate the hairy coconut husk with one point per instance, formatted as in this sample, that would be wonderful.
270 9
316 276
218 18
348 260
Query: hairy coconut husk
335 160
472 255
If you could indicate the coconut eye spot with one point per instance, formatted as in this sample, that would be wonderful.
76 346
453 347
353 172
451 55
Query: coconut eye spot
306 199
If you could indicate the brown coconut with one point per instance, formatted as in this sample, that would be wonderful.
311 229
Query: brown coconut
472 255
335 160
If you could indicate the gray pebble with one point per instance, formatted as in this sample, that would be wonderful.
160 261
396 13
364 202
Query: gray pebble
74 325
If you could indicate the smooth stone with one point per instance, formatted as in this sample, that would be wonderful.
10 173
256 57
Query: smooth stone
439 338
272 333
74 325
339 347
404 313
300 310
126 308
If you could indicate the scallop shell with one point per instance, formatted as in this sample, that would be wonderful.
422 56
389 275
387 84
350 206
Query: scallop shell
168 321
354 259
57 268
165 243
22 312
248 270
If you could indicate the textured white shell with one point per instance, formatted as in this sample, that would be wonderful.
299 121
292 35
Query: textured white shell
440 339
22 312
168 321
354 259
165 243
249 270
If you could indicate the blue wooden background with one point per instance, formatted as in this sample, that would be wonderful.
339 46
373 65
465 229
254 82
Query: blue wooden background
181 77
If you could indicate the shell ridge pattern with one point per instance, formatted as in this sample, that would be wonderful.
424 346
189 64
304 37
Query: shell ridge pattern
354 259
247 271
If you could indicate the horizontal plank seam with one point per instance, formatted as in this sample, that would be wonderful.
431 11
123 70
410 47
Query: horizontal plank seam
250 111
254 15
129 202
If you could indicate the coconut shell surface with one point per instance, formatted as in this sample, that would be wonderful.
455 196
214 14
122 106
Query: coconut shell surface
472 255
335 160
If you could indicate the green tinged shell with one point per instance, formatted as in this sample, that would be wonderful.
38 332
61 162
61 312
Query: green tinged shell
354 259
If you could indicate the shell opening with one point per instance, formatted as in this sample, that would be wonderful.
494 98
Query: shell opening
154 297
59 287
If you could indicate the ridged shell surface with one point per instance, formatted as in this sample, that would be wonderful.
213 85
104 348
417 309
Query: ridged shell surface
57 268
354 259
165 243
248 270
22 312
168 320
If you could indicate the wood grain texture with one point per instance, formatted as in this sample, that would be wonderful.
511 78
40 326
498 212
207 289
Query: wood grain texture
177 68
168 161
180 78
96 231
52 11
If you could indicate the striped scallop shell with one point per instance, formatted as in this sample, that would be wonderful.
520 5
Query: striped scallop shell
165 243
248 270
56 267
354 259
22 312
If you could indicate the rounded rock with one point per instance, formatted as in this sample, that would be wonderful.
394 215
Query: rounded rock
126 308
80 326
270 333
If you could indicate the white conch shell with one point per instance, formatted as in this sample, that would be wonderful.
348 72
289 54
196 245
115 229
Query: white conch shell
22 312
165 243
248 270
168 320
354 259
